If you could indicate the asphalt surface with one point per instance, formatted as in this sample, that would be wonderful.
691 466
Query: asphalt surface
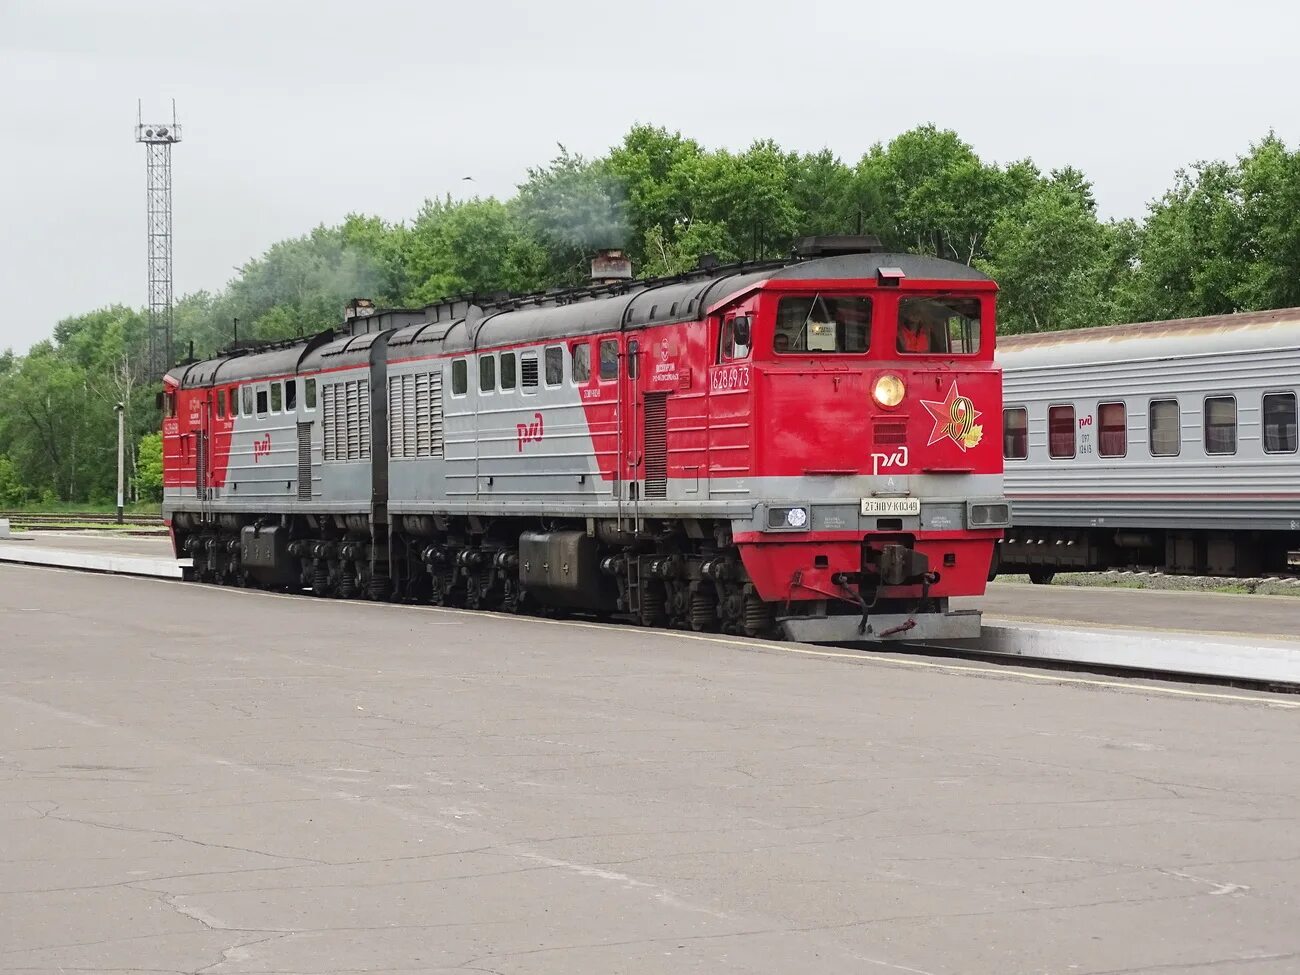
203 780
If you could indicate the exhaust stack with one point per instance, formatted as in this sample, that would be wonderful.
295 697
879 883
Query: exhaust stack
610 266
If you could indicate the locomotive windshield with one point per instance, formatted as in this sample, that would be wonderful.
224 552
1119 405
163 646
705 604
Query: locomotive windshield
822 324
939 325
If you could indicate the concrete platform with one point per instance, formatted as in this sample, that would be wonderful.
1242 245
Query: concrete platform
206 779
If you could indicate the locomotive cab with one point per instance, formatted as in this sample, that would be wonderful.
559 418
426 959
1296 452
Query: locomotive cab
877 407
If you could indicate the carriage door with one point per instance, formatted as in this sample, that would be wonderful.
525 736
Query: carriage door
646 450
202 447
731 442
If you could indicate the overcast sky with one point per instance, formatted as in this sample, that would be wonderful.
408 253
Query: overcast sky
296 113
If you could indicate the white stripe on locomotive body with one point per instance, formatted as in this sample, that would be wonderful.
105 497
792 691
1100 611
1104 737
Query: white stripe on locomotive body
1243 356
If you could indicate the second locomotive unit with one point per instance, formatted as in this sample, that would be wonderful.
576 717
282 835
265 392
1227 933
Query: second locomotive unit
810 446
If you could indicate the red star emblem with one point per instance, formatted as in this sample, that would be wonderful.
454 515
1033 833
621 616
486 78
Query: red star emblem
954 418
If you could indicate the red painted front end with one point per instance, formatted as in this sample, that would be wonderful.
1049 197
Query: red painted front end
823 443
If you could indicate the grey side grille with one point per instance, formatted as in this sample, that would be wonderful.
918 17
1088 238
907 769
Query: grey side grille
345 415
415 415
200 463
656 445
304 461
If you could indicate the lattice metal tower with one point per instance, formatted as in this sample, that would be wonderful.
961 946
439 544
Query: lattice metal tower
158 141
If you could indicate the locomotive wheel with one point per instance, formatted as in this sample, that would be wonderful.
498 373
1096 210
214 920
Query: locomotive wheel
1042 577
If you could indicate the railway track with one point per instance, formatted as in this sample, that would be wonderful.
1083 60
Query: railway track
65 519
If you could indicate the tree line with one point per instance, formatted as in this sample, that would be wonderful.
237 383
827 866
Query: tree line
1224 237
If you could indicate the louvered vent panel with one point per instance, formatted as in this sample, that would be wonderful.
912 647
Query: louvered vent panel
435 415
329 422
201 464
656 445
419 405
363 431
352 422
304 461
528 371
345 413
890 432
396 412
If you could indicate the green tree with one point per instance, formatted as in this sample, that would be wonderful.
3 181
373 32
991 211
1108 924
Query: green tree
13 492
1269 188
1048 256
574 207
1192 255
149 470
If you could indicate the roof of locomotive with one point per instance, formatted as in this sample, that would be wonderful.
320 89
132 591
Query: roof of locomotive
1213 334
460 325
671 300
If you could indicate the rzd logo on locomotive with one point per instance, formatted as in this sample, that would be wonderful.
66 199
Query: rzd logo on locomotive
530 432
955 418
897 459
261 448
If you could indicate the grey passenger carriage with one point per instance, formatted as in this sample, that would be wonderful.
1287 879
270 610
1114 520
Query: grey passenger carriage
1168 444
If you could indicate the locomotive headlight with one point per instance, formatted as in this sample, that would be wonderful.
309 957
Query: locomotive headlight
787 518
888 390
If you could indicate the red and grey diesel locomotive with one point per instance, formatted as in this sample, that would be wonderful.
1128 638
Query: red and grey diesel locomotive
809 447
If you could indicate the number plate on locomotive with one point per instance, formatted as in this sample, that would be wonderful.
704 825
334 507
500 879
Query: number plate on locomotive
891 506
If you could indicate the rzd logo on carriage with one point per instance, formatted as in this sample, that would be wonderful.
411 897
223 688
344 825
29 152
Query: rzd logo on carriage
261 448
954 418
529 432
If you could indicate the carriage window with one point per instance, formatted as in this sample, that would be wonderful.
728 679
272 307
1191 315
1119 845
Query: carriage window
309 393
277 397
232 401
822 324
1015 433
1279 423
1220 425
507 370
221 404
261 400
291 395
1060 432
169 405
247 409
609 359
1112 435
581 363
949 326
459 377
487 373
554 365
1163 424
